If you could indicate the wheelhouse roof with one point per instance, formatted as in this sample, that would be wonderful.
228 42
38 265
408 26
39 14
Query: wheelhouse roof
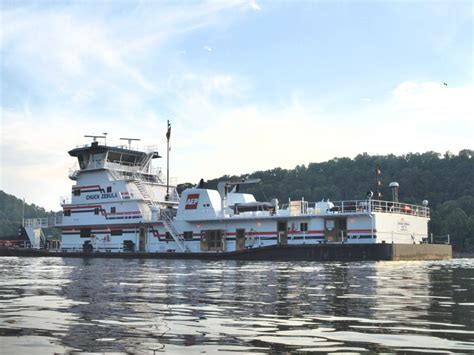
95 148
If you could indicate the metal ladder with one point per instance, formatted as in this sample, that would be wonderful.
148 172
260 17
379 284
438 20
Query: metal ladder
144 192
170 227
115 174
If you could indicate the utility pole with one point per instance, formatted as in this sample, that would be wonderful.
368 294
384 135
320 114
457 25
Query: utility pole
23 214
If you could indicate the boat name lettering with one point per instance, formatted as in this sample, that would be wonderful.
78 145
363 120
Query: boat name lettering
101 196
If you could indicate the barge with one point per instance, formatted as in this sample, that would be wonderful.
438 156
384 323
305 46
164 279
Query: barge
121 206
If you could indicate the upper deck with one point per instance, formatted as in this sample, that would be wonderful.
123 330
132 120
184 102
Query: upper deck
204 204
122 161
293 209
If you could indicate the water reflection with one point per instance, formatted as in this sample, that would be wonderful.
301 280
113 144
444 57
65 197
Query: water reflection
141 306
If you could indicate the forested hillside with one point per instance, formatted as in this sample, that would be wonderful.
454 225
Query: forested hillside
11 212
446 181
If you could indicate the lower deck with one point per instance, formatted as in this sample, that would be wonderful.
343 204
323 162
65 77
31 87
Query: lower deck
221 235
319 252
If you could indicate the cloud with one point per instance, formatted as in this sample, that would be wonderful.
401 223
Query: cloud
416 117
207 48
212 138
253 4
71 71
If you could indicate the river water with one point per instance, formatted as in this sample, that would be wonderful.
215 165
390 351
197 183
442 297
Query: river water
54 305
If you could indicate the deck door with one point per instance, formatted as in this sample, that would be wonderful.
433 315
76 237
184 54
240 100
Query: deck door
240 239
142 240
213 240
282 232
335 229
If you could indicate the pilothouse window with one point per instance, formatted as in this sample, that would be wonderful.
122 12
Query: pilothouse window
83 160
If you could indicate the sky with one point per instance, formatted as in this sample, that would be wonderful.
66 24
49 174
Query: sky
247 85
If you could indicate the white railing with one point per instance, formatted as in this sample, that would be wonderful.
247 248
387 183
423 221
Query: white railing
440 239
150 148
399 207
46 222
146 149
364 206
65 200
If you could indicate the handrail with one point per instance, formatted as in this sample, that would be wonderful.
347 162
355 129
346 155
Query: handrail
354 206
45 222
440 239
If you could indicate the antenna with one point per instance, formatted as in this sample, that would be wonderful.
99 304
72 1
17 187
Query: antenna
105 138
94 138
130 141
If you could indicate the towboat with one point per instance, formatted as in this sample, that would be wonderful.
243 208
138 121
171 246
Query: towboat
121 204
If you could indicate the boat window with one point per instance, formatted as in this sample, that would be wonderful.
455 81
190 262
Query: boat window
76 192
85 233
188 235
96 211
116 232
109 188
67 213
98 157
304 227
168 236
83 160
113 157
329 224
112 209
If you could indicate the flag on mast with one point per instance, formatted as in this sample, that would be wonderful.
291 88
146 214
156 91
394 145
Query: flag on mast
168 133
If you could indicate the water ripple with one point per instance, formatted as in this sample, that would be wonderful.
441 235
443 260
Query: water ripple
175 306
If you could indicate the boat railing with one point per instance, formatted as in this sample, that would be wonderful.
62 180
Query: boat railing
115 165
439 239
120 146
150 175
45 222
399 208
394 235
65 200
354 206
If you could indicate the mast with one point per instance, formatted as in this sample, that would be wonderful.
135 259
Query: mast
168 135
378 182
